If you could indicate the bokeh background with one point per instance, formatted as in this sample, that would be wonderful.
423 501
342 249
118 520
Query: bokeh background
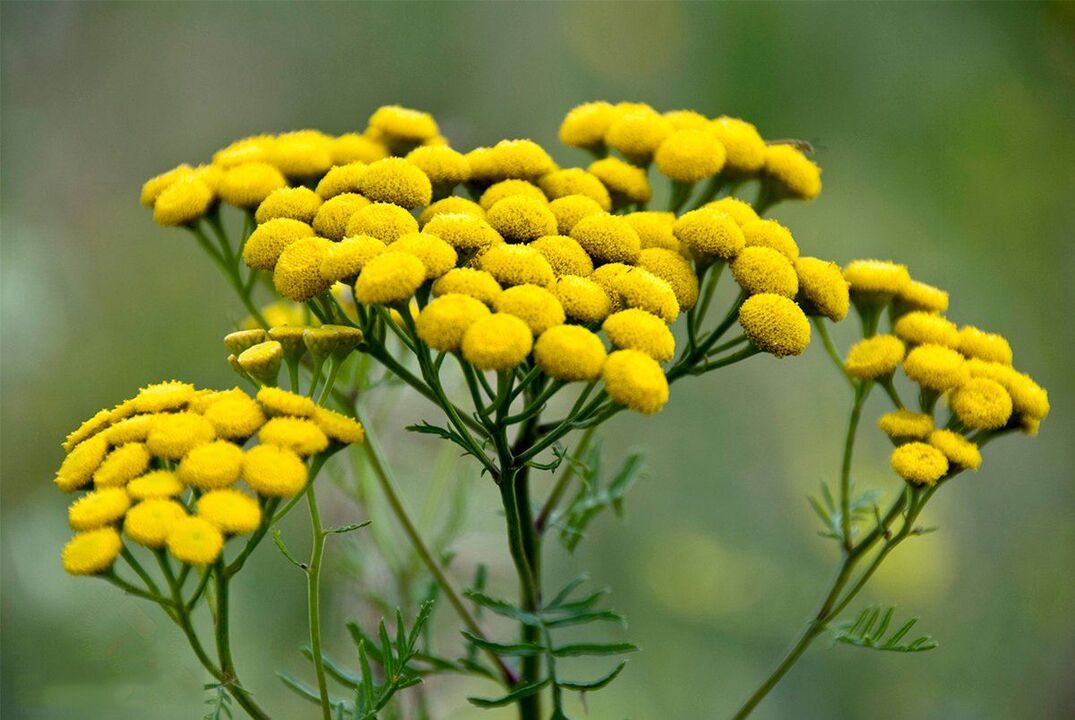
946 135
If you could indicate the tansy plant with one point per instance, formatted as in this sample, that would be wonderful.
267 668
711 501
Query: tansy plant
529 304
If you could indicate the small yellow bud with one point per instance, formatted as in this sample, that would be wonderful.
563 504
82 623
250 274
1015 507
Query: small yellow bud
775 324
297 274
764 270
710 233
297 203
471 282
497 342
654 229
743 144
902 425
583 299
608 238
585 126
516 265
919 463
508 188
248 185
636 329
570 209
437 256
959 451
920 296
452 205
346 258
688 156
443 322
444 167
919 327
534 305
354 147
792 173
936 367
974 343
269 239
394 180
741 212
390 277
626 183
184 202
262 361
240 340
822 288
675 270
384 221
575 181
570 353
519 218
334 214
635 380
638 133
771 234
875 357
564 254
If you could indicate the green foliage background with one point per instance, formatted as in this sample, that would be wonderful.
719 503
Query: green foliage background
946 136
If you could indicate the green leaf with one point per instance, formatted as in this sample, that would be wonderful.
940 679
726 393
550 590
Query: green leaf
593 649
334 669
503 607
581 618
584 686
520 692
347 528
300 688
279 540
869 628
566 590
505 649
591 499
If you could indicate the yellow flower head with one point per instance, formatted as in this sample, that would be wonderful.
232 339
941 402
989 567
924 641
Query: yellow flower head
771 234
639 288
936 367
341 180
302 153
262 361
570 209
98 508
173 436
436 255
686 119
257 148
297 434
919 327
569 353
231 511
638 133
78 467
471 282
183 202
690 155
122 465
444 167
464 231
400 123
654 229
338 427
240 340
497 342
297 274
743 144
874 357
822 288
564 254
395 180
194 541
153 187
355 147
247 185
158 484
764 270
919 463
585 125
1028 398
775 324
920 296
389 278
264 246
959 451
159 397
334 214
384 221
740 211
516 265
508 188
442 322
274 471
876 277
346 258
149 522
522 159
282 402
906 425
519 218
606 277
451 205
608 238
635 380
974 343
626 183
583 299
534 305
128 430
87 428
793 174
710 233
212 465
635 329
211 175
92 552
575 181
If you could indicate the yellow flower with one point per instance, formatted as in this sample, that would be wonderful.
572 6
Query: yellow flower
149 522
169 395
122 464
690 155
974 343
395 180
741 212
919 463
194 541
608 238
626 183
639 288
497 342
583 299
211 465
384 221
339 428
270 238
936 367
710 233
436 255
635 380
247 185
334 214
519 218
98 508
341 180
570 352
764 270
516 265
775 324
402 123
874 357
444 167
298 434
356 147
534 305
157 484
575 181
635 329
87 428
919 327
522 159
686 119
302 153
92 552
794 174
570 209
471 282
876 277
183 202
606 276
173 436
132 429
78 467
262 361
959 451
585 125
464 231
564 254
509 188
211 175
822 288
451 205
654 229
346 258
153 187
297 275
389 278
231 511
920 296
638 133
442 322
1029 399
771 234
256 148
273 471
906 425
743 144
282 402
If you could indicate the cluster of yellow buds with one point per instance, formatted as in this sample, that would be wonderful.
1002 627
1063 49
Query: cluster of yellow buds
164 467
258 354
968 367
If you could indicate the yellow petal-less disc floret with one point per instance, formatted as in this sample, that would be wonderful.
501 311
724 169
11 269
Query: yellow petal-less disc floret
269 239
742 143
822 288
334 214
690 155
122 465
98 508
297 203
452 205
606 277
384 221
183 202
256 148
517 265
302 153
981 404
508 188
523 159
88 428
78 467
297 434
401 123
901 425
742 212
157 184
635 329
497 342
262 361
92 552
608 238
338 427
173 436
626 183
278 401
654 229
639 288
919 463
248 185
346 258
638 133
464 231
570 209
919 328
585 125
771 234
874 357
149 522
157 484
397 181
355 147
936 367
583 299
775 324
764 270
710 233
231 511
575 181
564 254
876 277
959 451
160 397
1028 398
570 353
686 119
390 277
792 173
974 343
635 380
519 218
274 471
918 295
443 322
534 305
195 541
340 180
436 255
212 465
471 282
444 167
132 429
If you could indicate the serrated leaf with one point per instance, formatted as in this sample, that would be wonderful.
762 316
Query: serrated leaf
347 528
584 617
593 649
566 590
278 539
503 607
505 649
523 691
591 499
868 630
604 680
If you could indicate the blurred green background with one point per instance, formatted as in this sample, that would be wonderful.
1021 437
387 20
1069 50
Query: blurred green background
947 135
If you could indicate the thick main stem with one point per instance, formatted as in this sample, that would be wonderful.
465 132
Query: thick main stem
228 676
313 600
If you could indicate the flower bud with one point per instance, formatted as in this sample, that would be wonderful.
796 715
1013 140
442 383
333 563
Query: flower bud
262 361
238 341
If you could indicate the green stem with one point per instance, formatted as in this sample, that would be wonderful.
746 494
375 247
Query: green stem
313 600
830 348
862 391
564 481
228 676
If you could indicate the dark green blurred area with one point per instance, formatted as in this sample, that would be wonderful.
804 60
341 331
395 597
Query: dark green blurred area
947 136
